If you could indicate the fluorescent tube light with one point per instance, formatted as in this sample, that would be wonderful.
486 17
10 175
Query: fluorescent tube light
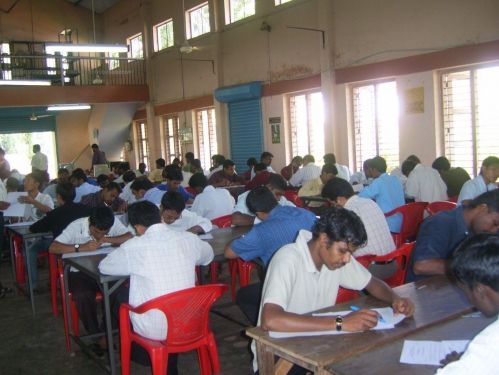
68 107
20 82
68 47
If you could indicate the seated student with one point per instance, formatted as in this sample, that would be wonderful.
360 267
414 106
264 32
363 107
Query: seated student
178 218
210 202
424 184
379 239
343 170
385 190
12 185
142 170
243 216
143 189
454 178
308 172
265 158
475 267
289 170
227 176
156 175
217 164
314 187
89 234
440 234
261 175
362 177
103 180
305 276
62 176
126 194
397 172
107 197
251 162
174 178
79 180
37 204
159 261
188 159
485 181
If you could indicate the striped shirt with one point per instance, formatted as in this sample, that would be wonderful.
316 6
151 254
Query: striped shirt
305 174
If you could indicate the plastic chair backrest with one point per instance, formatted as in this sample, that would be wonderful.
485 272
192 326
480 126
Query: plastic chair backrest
438 206
186 312
453 199
222 221
402 256
293 197
412 217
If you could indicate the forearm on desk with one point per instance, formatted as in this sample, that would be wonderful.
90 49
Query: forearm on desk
379 289
274 318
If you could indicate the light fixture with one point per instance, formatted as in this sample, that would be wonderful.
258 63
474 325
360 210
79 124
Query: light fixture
68 107
68 47
20 82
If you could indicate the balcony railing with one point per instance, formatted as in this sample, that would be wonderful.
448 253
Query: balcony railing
73 71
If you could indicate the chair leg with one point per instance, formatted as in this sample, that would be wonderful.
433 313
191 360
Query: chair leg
65 314
53 284
75 317
125 351
159 362
214 272
204 360
213 353
233 270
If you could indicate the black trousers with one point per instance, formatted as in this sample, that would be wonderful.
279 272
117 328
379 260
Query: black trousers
83 289
248 299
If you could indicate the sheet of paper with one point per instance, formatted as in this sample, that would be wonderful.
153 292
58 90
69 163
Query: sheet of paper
388 322
15 210
104 250
21 224
430 352
206 236
12 197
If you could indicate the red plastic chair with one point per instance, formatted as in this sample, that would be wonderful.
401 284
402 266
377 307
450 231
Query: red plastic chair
412 217
54 265
293 197
438 206
402 256
345 295
191 191
453 199
187 313
19 262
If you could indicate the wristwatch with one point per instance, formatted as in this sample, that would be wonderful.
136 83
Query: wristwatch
77 248
339 323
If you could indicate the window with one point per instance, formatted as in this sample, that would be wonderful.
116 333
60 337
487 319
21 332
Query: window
238 9
142 143
135 48
5 61
375 118
207 135
279 2
163 35
114 62
171 130
198 21
307 124
470 116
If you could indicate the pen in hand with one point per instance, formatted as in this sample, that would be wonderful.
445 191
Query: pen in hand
357 308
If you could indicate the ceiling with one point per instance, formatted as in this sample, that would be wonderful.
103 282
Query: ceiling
100 5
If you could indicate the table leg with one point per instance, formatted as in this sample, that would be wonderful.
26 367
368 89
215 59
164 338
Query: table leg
12 258
28 279
265 359
67 306
109 328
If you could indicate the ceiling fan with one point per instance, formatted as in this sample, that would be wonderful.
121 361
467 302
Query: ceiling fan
34 117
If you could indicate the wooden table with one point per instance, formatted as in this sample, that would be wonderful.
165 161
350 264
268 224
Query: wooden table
222 236
436 300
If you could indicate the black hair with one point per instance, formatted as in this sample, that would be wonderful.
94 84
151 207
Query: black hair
266 154
476 261
489 198
189 156
196 163
309 159
35 176
277 181
260 199
228 163
12 183
330 159
198 180
62 170
95 145
260 167
337 187
441 164
219 159
2 151
129 176
113 186
489 161
79 174
298 159
142 164
378 163
160 163
102 180
173 173
173 200
36 147
366 164
141 183
176 161
341 225
102 218
329 168
414 159
407 167
143 213
66 191
251 162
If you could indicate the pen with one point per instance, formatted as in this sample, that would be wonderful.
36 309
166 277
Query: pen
357 308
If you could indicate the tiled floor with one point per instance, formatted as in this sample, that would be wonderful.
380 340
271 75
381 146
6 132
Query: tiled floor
35 345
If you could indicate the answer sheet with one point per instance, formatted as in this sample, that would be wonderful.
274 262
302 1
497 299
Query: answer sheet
430 352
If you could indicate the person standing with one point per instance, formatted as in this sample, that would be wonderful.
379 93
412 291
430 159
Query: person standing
98 156
39 162
4 165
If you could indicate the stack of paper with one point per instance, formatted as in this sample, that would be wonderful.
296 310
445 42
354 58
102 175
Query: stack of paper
430 352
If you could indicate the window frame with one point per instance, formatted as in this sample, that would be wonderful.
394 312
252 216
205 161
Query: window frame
206 162
177 141
188 22
156 37
142 155
228 11
281 2
129 44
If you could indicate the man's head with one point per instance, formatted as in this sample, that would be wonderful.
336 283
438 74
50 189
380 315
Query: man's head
36 148
337 234
142 215
308 159
103 180
377 166
160 163
475 265
142 167
259 167
277 185
174 177
414 159
297 161
65 193
78 177
2 154
441 164
128 176
189 157
32 182
95 147
490 169
337 191
12 184
329 171
329 159
261 201
366 167
482 213
100 222
172 205
177 162
217 160
407 167
251 162
266 158
196 166
140 186
62 175
110 192
198 182
229 168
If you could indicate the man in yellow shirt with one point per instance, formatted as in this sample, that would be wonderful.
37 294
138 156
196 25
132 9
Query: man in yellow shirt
314 187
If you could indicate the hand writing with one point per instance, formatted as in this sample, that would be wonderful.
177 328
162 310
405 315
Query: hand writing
91 245
403 306
361 320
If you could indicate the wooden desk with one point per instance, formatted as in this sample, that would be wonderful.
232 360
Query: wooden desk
386 360
436 300
223 236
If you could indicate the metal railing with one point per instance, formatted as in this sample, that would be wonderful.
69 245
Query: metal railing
74 70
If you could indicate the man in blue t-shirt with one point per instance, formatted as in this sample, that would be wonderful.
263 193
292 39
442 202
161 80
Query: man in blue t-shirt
174 178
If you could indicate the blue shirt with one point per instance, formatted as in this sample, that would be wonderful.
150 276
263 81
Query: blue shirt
154 195
280 228
438 236
185 194
388 193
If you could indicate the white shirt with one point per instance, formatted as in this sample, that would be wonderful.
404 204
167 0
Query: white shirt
213 203
243 208
39 161
85 189
480 357
188 220
33 213
397 172
127 195
219 168
343 172
3 192
473 188
159 262
379 239
424 184
305 174
187 176
78 232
